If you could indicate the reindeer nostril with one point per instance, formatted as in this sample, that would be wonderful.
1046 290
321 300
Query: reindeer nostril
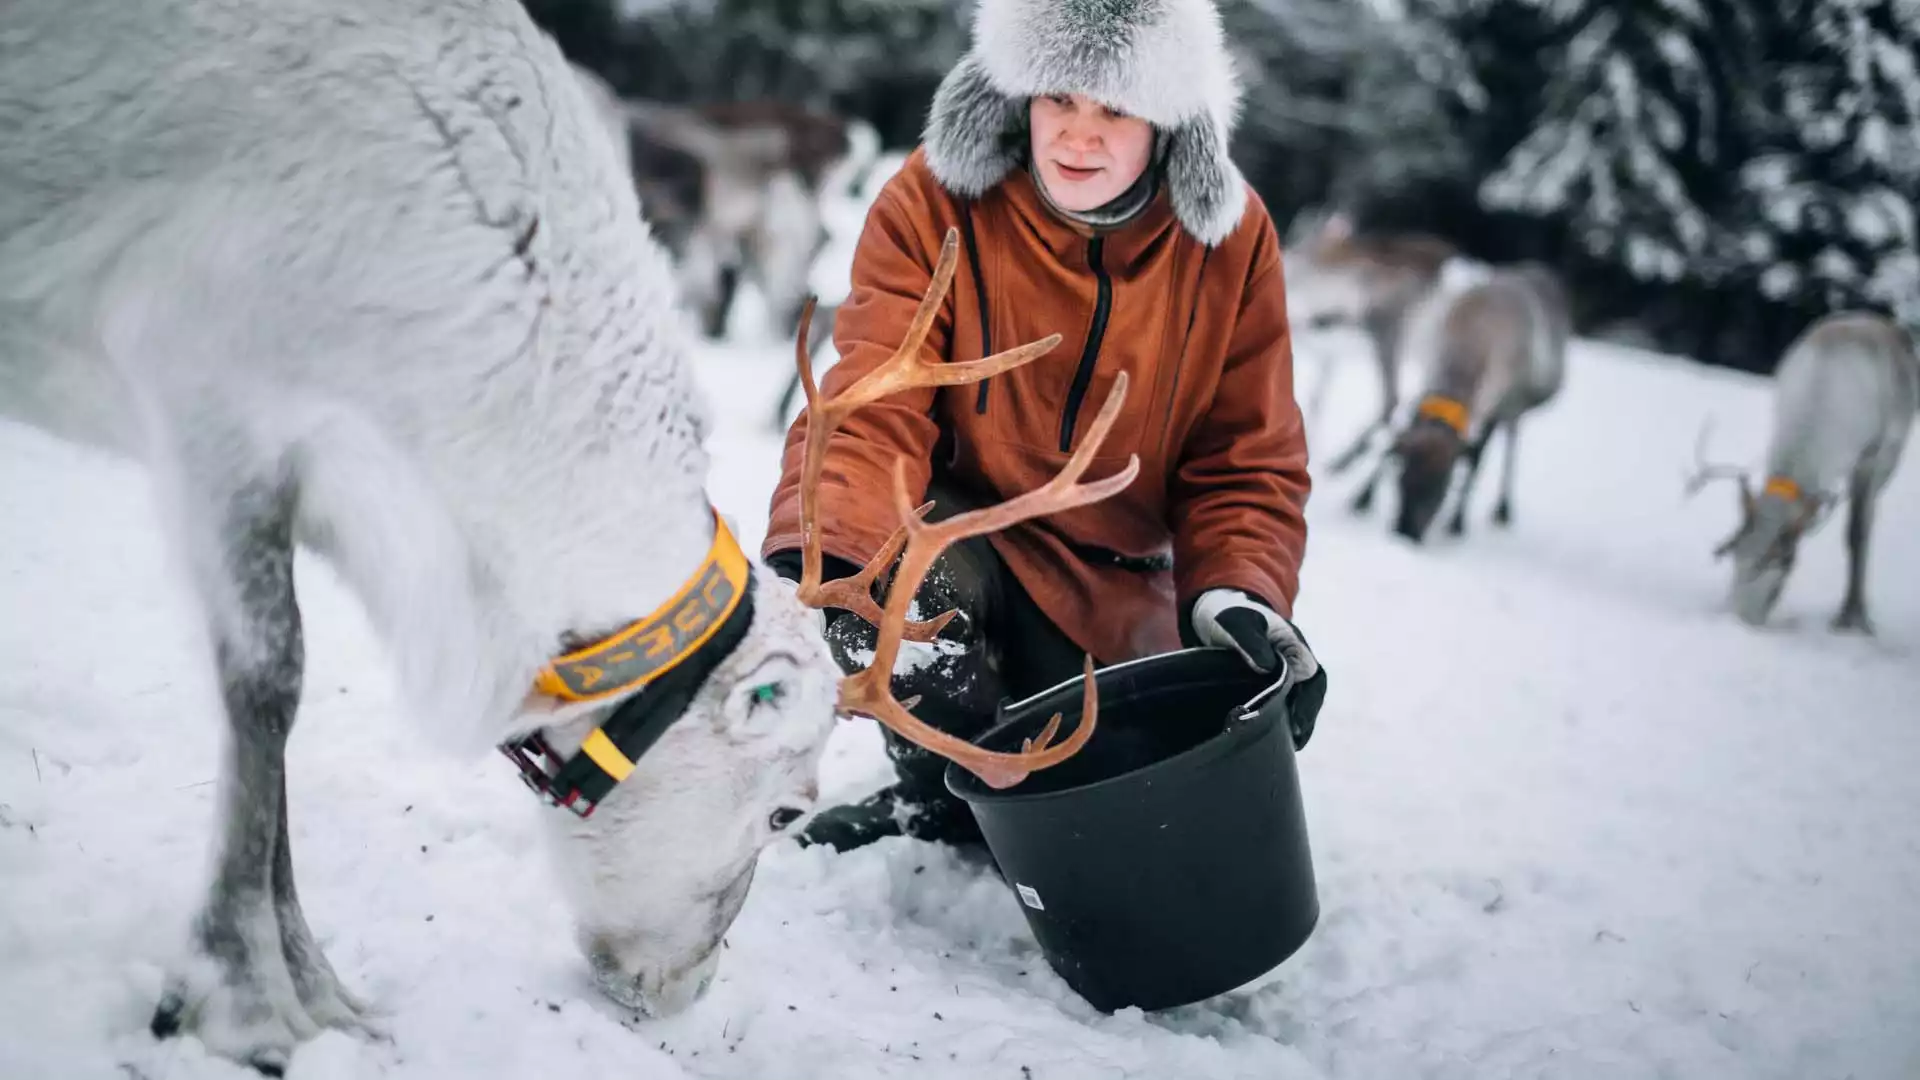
784 817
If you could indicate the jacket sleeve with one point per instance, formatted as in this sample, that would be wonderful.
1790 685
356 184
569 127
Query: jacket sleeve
1238 493
892 268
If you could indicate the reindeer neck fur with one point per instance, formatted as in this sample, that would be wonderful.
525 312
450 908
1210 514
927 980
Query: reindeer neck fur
408 281
1495 337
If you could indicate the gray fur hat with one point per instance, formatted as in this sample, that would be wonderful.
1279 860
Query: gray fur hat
1165 61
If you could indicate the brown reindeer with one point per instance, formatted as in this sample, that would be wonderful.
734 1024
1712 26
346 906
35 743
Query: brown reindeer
749 179
1336 274
1499 352
734 191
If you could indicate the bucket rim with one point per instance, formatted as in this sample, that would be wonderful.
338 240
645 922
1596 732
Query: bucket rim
1231 734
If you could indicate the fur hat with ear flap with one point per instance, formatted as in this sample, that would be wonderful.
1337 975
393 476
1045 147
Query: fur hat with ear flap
1164 61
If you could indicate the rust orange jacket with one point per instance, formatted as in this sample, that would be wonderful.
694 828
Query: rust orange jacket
1203 335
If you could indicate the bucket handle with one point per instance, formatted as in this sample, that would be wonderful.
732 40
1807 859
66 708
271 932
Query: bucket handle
1251 708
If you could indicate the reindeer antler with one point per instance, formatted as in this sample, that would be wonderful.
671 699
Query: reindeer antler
870 693
1704 473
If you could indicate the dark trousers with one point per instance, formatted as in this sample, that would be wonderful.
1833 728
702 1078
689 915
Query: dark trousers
999 647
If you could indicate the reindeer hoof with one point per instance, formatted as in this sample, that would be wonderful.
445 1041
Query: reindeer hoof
237 1017
1456 527
1503 515
166 1015
1853 620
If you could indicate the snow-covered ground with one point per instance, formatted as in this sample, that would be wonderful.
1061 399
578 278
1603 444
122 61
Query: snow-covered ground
1569 819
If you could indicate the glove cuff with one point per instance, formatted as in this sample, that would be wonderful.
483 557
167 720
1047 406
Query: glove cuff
1209 604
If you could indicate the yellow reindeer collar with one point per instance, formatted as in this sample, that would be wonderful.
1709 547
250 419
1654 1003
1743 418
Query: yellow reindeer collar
648 648
1782 487
1446 410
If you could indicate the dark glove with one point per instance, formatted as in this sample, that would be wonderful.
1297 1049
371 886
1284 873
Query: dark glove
1231 619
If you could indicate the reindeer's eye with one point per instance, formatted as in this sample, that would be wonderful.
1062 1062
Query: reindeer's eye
766 695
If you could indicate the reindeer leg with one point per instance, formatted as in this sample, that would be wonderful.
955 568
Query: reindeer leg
1503 510
779 423
714 318
1363 499
1356 450
319 989
239 994
1322 383
1853 609
1385 329
1458 524
1384 333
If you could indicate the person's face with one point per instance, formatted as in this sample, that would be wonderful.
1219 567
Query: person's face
1086 153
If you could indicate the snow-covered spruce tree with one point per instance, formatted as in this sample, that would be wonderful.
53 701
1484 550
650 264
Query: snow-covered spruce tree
1336 92
877 59
1638 141
1832 194
1347 100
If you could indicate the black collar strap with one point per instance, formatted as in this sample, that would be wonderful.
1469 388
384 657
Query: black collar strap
665 656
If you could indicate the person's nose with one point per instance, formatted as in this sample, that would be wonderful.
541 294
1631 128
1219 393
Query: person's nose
1080 138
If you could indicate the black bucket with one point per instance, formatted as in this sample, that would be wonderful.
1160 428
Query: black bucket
1167 861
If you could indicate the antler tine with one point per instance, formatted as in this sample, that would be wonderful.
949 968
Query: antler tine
1063 492
1704 473
870 692
909 369
813 458
855 593
997 769
906 369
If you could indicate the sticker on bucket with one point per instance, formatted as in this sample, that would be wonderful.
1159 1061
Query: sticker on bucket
1029 897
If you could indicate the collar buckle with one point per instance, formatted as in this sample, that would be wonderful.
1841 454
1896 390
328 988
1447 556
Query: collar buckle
529 756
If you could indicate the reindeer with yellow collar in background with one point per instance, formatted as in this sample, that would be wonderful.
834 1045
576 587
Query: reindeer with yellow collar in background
1498 346
1844 399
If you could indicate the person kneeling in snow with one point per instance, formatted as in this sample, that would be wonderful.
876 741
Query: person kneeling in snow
1081 150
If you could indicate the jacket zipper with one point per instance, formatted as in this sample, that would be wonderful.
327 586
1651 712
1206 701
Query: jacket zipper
1090 355
980 291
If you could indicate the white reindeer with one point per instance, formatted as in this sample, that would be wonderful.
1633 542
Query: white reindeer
368 276
1844 397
